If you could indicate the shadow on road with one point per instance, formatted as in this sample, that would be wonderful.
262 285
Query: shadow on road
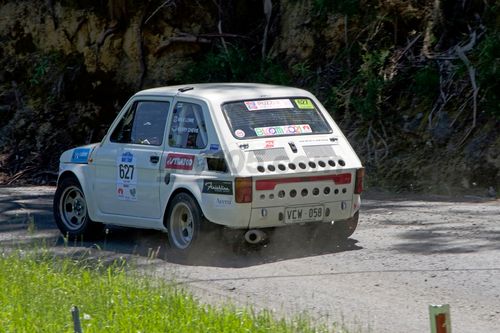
20 210
428 227
219 250
452 240
26 220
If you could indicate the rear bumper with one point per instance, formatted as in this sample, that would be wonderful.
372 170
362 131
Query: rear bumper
265 217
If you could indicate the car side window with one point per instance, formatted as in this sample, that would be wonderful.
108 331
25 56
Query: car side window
188 128
144 123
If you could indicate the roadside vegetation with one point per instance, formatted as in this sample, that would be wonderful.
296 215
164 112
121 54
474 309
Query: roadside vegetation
39 289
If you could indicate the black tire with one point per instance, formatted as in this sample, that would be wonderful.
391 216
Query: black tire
71 214
183 221
345 228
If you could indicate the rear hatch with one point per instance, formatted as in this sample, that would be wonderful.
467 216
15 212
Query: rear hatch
294 152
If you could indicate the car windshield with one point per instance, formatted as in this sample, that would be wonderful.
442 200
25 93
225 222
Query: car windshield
274 117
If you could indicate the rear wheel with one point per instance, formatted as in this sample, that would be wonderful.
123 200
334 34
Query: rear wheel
344 229
184 221
71 213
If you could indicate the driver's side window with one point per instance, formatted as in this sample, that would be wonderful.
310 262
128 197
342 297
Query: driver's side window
143 123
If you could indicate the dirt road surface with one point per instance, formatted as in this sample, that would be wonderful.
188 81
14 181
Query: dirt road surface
408 252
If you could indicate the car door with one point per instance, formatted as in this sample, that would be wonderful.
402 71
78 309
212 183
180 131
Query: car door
189 133
127 164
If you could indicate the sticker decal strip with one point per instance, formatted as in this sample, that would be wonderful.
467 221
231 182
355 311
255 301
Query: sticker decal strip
218 187
269 104
179 161
283 130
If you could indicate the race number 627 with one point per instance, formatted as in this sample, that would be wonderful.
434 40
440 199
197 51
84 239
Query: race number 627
126 171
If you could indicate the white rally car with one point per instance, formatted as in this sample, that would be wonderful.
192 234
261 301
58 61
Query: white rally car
246 156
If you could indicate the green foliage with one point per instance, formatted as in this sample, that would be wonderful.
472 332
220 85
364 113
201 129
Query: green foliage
43 73
235 65
47 73
302 69
364 92
39 71
50 116
346 7
426 82
304 75
486 60
373 63
39 289
488 73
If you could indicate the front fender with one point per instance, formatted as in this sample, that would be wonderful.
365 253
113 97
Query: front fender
82 172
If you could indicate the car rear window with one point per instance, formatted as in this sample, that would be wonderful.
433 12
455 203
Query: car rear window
274 117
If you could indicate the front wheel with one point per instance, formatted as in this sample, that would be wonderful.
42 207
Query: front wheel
184 221
70 211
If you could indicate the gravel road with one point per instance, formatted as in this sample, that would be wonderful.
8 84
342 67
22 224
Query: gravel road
408 252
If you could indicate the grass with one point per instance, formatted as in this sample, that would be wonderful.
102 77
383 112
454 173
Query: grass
39 289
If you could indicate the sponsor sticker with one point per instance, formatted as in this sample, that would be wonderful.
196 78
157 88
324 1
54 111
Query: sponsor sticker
80 155
269 144
239 133
314 140
223 202
127 157
183 120
304 103
127 192
126 177
283 130
269 104
179 161
214 147
182 129
218 187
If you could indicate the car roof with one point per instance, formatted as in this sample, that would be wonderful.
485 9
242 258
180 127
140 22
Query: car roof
223 92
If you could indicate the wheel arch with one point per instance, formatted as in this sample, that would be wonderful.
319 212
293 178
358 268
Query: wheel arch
67 174
78 173
177 191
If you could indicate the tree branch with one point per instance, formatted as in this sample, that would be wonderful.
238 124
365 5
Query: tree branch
475 89
183 38
166 3
268 8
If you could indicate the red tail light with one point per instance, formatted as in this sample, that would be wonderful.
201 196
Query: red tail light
360 173
243 190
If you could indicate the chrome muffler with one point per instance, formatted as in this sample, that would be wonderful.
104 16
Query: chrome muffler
255 236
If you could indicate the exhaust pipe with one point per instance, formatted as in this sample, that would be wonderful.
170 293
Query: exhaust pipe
255 236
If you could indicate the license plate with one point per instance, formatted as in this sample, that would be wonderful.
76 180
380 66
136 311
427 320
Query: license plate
304 214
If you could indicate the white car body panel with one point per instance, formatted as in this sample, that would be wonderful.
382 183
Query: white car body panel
181 169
